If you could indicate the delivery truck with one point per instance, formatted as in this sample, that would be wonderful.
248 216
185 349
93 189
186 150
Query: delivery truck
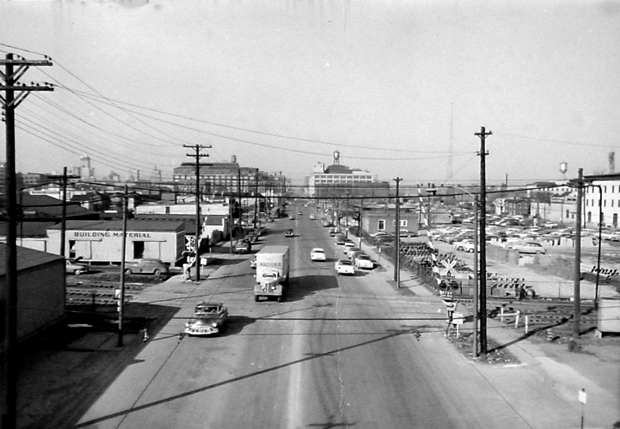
272 272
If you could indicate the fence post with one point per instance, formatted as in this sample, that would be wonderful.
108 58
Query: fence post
527 323
517 319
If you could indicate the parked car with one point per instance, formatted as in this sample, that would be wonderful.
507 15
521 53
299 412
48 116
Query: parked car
344 266
243 246
73 266
363 261
466 245
289 233
146 266
291 217
208 319
406 233
530 247
311 217
348 245
350 250
317 254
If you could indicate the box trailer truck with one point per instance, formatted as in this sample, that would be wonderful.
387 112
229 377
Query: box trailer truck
272 272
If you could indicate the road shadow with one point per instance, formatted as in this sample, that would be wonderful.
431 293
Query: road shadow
65 368
303 286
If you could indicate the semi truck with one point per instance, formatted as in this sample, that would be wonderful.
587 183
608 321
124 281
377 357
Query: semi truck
272 272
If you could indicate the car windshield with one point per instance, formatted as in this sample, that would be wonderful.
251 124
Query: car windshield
343 262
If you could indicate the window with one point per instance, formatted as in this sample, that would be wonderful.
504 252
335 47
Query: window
381 225
138 249
71 249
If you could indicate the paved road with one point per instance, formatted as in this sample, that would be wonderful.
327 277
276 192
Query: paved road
338 352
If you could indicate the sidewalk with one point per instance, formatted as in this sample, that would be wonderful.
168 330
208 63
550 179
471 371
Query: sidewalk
545 385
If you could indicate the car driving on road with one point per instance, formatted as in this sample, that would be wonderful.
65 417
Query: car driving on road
289 233
317 254
208 319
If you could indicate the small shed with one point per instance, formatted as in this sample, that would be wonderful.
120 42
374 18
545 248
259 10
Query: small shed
40 289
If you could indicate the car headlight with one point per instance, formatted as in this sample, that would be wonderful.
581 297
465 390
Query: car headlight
214 324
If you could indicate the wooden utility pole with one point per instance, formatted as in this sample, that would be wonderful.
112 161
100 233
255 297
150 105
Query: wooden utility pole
577 273
197 155
121 294
14 93
63 222
397 233
482 242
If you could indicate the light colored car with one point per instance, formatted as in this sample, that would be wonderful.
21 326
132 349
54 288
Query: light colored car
344 266
348 245
466 245
253 262
146 266
317 254
289 233
349 251
311 217
530 247
363 261
75 267
208 319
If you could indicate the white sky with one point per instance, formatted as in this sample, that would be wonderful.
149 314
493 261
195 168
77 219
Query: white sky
290 82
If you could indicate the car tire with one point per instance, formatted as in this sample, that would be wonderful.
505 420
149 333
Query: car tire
470 251
157 272
256 298
77 272
128 271
279 299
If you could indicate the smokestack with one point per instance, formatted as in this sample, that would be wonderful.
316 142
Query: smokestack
611 158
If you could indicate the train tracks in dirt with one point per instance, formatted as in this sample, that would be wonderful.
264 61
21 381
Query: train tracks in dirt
538 314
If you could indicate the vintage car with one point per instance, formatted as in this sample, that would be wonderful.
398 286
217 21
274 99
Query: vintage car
531 247
74 266
363 261
243 246
289 233
317 254
146 266
208 319
344 267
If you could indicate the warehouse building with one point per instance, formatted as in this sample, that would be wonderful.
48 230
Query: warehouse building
102 241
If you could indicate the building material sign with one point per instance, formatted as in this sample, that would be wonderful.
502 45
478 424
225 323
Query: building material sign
108 234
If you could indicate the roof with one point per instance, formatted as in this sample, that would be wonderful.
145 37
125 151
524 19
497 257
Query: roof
47 206
27 258
117 225
28 229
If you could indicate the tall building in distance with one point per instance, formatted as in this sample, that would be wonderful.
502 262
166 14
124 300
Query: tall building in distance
227 179
338 180
85 170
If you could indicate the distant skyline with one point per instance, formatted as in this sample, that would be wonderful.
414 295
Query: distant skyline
397 87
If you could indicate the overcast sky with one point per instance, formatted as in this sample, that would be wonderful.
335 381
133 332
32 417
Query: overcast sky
397 87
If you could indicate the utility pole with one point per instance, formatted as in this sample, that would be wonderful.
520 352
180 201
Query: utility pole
397 233
197 155
14 93
255 200
483 240
63 221
476 278
577 273
121 295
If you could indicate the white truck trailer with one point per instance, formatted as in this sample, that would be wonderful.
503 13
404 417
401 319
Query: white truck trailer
272 272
